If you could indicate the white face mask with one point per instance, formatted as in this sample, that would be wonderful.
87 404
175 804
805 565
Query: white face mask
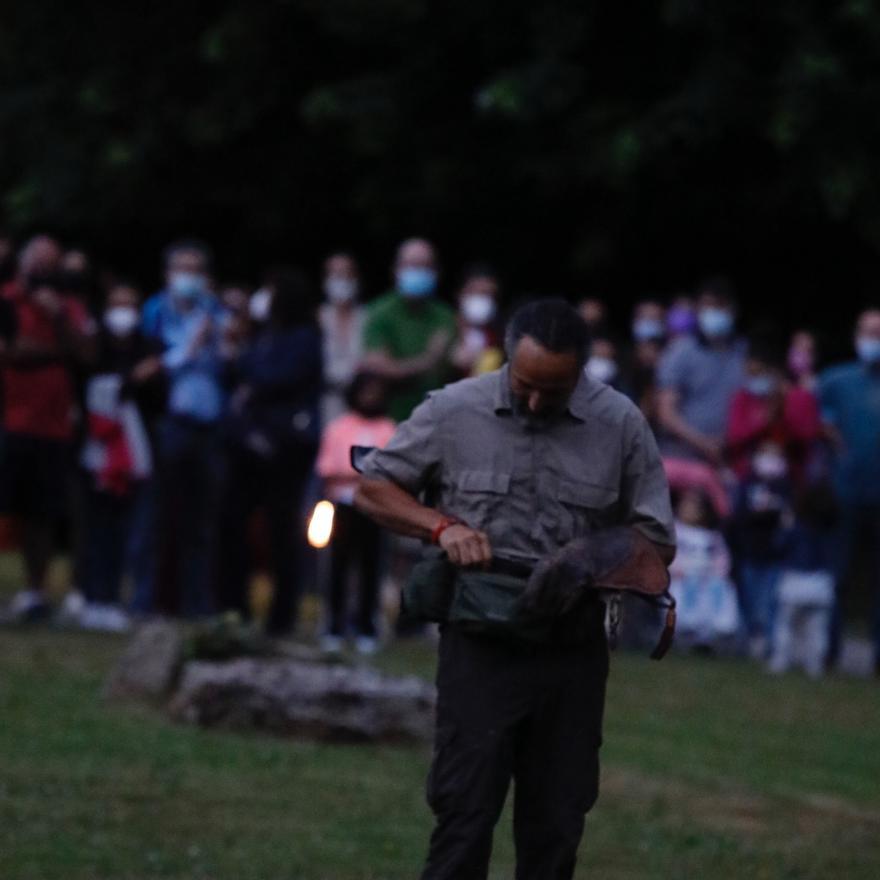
186 285
602 368
769 465
260 304
121 320
340 290
868 349
478 309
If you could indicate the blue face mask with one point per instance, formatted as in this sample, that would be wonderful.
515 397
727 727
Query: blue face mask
761 386
868 349
415 282
186 285
715 323
645 329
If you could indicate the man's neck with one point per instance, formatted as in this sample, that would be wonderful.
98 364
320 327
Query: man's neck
414 304
720 344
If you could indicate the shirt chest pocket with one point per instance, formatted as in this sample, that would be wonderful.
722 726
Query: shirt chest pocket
479 496
584 507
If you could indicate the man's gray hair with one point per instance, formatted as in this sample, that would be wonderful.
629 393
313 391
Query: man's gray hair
553 324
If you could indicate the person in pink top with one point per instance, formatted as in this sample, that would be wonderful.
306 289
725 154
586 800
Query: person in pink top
356 545
769 408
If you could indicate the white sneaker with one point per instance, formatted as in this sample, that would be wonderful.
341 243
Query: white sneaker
331 644
92 616
72 607
366 646
28 605
116 620
105 618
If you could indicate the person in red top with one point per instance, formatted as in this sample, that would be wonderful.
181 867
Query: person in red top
769 408
52 333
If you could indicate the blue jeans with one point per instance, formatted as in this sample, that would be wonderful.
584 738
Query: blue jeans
757 596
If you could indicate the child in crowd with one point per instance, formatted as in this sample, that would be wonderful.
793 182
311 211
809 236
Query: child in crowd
762 499
356 544
122 398
805 595
701 584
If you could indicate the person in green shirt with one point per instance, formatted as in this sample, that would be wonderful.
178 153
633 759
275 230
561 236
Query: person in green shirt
408 332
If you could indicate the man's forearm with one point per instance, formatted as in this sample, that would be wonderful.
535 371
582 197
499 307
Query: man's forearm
672 421
395 369
395 509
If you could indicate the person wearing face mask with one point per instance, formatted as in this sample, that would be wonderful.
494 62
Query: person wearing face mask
768 407
408 331
681 318
649 322
697 380
272 430
187 321
801 360
849 396
356 548
477 348
185 296
342 324
649 340
760 511
602 362
48 335
75 278
124 396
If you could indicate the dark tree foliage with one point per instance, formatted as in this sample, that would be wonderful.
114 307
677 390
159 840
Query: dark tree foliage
582 146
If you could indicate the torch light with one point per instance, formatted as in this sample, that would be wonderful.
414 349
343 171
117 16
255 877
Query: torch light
321 525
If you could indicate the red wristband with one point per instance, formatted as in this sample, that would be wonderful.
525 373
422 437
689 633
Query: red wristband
442 526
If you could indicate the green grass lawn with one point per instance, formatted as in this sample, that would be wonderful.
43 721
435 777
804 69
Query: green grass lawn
710 770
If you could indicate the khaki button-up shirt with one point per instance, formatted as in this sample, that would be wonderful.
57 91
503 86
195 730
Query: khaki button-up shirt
530 489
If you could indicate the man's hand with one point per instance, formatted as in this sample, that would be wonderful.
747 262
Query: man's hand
712 450
466 547
438 346
145 370
202 336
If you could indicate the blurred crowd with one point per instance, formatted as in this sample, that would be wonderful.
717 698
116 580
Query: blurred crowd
176 441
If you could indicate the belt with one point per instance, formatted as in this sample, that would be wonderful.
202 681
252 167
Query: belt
511 567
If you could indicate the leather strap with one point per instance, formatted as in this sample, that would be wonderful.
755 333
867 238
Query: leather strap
668 633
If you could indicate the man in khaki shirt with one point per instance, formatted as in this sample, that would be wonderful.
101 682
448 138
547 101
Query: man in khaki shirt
516 464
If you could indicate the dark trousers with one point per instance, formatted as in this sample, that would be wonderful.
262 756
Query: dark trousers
356 550
530 713
191 480
858 540
275 484
118 538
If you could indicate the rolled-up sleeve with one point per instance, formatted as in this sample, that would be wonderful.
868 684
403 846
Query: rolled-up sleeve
412 457
644 492
672 370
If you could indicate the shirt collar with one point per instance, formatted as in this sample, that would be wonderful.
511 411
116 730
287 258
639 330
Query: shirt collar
578 403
